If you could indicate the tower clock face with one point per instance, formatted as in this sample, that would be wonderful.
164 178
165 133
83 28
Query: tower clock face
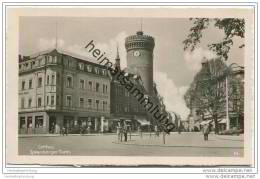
136 53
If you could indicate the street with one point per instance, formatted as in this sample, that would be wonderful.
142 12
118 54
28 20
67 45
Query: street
184 144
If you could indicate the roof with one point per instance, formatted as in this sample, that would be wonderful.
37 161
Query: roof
62 51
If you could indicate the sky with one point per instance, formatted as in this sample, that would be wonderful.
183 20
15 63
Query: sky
174 68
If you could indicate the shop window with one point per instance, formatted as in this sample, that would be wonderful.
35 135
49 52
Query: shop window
29 122
38 121
22 123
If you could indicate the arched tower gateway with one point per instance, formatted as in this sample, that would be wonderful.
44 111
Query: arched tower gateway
139 49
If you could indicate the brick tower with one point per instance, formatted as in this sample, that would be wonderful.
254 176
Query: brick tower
139 49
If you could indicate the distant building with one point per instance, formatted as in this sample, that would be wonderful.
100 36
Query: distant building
57 89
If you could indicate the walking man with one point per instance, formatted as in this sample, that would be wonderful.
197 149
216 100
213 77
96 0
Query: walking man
206 131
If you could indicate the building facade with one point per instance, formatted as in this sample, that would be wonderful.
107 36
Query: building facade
57 89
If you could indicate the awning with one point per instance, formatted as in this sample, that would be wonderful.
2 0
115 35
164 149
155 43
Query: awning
222 121
143 122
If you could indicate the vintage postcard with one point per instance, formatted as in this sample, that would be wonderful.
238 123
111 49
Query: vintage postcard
130 86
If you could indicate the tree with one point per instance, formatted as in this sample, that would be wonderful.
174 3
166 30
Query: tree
207 91
233 27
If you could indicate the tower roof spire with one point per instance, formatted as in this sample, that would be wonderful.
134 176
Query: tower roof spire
140 32
117 52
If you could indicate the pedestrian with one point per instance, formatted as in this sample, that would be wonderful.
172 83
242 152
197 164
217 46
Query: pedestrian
125 131
206 131
140 131
156 131
118 131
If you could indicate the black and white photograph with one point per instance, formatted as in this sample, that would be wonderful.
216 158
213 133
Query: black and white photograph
130 86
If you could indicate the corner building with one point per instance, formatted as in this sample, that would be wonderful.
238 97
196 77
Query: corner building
58 89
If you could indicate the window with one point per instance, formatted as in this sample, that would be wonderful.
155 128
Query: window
89 68
81 66
39 82
97 104
104 88
23 85
50 59
20 66
52 79
38 121
22 123
52 100
69 82
29 122
22 103
81 84
104 105
90 85
57 100
39 101
30 84
55 59
104 72
81 102
96 70
117 108
48 79
97 87
89 103
47 100
30 102
68 101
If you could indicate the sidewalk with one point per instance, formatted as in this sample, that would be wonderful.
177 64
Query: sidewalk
59 135
190 139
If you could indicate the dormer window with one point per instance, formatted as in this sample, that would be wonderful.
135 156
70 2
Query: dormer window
104 72
96 70
81 66
89 68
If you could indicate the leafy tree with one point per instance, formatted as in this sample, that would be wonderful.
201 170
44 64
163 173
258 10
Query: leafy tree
233 27
207 91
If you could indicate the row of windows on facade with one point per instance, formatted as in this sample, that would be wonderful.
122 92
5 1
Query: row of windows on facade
69 83
68 63
38 122
127 108
51 102
121 91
